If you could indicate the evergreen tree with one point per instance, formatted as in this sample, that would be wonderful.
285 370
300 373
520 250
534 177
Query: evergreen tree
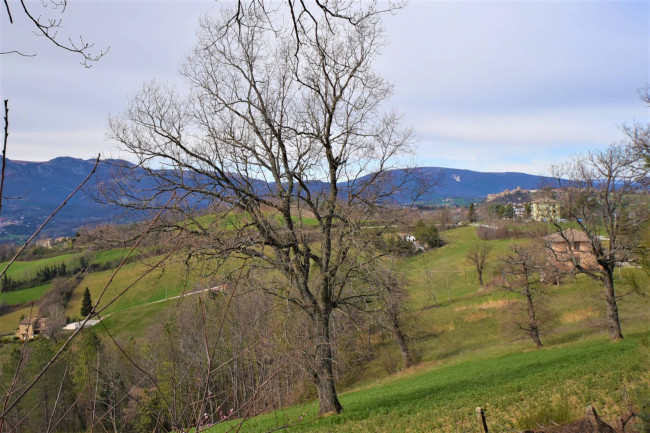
471 213
86 304
509 211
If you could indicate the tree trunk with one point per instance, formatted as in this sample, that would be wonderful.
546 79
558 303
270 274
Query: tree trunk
407 357
533 328
480 275
324 370
613 322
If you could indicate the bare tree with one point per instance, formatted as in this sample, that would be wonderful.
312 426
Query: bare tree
282 133
389 289
477 255
519 271
597 192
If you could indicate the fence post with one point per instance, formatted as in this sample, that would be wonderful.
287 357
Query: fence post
481 420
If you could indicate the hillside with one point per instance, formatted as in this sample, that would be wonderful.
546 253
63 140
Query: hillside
469 353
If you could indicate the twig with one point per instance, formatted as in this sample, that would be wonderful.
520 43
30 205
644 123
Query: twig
17 52
4 149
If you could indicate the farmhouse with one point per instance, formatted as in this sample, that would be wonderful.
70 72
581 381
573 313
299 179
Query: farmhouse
569 248
30 327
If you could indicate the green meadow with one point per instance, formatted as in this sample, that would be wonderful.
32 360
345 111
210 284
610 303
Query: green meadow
432 398
26 270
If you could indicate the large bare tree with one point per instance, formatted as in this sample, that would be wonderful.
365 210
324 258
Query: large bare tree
281 131
599 194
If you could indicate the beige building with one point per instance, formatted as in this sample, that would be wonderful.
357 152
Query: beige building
571 247
31 327
545 210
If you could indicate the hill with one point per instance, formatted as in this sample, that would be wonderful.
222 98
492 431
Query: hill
469 353
37 188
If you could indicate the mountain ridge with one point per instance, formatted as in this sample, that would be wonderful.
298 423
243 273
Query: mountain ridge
34 189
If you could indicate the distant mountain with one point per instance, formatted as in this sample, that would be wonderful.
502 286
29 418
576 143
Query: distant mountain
35 189
458 183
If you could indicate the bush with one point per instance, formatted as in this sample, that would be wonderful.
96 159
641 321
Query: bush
549 412
427 235
400 246
60 292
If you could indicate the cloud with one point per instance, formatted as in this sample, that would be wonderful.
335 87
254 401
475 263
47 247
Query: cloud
487 85
548 127
43 146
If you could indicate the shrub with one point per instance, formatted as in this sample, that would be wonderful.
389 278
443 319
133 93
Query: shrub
60 292
549 412
427 235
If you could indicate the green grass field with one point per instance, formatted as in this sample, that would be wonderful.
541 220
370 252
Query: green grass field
427 399
170 281
21 270
471 355
106 256
25 295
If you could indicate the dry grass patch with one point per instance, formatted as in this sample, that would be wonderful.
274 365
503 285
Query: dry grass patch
578 315
476 316
489 305
440 329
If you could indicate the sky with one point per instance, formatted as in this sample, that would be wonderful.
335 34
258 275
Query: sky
486 85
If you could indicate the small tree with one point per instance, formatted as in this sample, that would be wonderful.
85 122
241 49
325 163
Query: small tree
427 235
391 296
86 304
519 271
477 255
471 213
529 209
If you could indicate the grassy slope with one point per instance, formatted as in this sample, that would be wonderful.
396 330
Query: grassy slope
9 322
25 295
160 283
20 270
470 355
443 399
102 257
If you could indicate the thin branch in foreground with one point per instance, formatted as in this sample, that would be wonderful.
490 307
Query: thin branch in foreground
17 52
4 150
